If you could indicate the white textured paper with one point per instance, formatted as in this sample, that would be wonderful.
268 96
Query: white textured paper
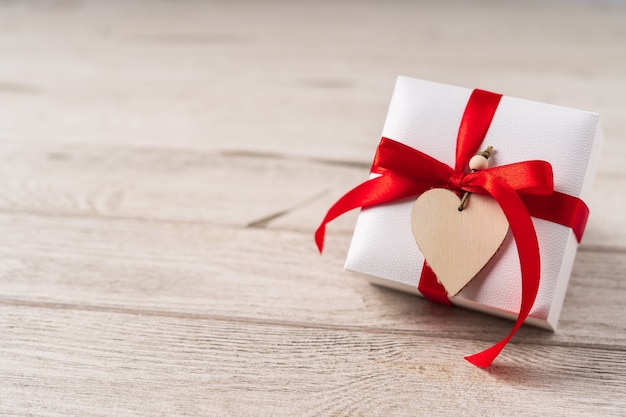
426 116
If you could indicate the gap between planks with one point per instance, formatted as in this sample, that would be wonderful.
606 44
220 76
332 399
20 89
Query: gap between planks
373 330
207 362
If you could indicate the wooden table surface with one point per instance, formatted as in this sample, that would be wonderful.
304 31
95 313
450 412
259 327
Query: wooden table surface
164 165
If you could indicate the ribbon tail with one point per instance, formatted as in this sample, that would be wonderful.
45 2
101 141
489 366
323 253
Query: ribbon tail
349 201
525 236
486 357
383 189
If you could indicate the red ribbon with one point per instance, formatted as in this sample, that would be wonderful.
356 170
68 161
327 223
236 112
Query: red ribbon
522 190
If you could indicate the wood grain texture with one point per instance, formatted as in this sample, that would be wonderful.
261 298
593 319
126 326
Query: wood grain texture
189 268
163 167
101 363
310 80
189 186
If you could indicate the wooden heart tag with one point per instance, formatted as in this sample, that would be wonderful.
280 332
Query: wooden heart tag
457 244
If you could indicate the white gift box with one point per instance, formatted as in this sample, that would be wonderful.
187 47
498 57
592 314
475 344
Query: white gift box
426 116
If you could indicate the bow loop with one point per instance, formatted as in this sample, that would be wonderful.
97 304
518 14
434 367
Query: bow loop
525 178
528 177
402 160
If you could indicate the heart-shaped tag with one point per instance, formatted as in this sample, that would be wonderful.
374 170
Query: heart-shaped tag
457 244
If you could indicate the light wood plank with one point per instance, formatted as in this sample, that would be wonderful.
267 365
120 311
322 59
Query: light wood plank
287 78
235 188
266 275
73 362
164 165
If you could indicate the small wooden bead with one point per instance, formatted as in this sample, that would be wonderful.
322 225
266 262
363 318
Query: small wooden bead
478 162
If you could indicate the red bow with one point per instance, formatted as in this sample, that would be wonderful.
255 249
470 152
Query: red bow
522 190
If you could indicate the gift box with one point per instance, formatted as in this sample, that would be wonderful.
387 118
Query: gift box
429 119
